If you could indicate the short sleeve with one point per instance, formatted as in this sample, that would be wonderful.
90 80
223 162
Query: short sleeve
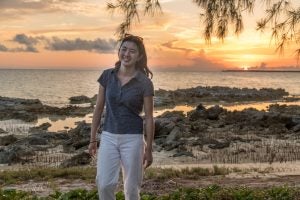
103 79
149 89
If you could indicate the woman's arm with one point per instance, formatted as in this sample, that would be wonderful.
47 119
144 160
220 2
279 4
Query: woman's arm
96 120
149 129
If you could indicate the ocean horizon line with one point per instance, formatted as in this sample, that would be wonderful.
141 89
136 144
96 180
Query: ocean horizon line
103 68
260 70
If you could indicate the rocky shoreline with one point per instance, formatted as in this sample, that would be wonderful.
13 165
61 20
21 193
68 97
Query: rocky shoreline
216 94
206 135
29 109
198 94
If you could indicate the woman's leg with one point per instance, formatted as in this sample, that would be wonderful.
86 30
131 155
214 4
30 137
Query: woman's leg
132 151
108 166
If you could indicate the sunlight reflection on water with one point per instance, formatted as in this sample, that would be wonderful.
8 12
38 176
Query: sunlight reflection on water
55 87
59 123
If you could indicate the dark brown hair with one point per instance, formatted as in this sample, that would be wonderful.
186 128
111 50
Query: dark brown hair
142 63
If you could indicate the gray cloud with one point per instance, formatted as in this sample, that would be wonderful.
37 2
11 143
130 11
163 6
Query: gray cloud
24 39
171 45
3 48
57 44
26 49
17 9
31 49
28 41
98 45
22 4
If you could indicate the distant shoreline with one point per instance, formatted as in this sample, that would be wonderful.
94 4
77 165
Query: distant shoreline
261 70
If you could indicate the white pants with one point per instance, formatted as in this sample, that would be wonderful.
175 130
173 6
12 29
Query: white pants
117 150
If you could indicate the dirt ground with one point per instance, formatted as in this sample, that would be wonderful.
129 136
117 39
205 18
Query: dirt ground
161 187
255 182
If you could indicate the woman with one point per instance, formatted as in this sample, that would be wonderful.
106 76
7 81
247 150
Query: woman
125 90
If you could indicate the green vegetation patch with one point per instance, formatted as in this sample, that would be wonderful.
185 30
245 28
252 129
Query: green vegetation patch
213 192
46 174
89 173
187 173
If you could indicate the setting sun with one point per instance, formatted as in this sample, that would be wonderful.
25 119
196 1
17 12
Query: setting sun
81 35
245 67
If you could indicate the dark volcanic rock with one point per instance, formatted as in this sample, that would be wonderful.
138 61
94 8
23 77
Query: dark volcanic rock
79 99
43 138
214 112
165 123
42 127
163 127
285 109
7 103
217 130
2 131
163 98
82 130
216 93
28 109
77 160
67 111
16 108
7 140
183 153
79 137
16 154
163 101
22 115
219 145
199 113
23 150
173 135
296 128
35 140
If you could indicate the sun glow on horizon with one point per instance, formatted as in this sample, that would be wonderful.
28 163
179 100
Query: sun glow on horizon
245 67
78 35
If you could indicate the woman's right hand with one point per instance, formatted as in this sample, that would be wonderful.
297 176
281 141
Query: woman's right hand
93 148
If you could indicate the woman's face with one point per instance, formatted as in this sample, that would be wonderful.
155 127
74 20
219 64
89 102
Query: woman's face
129 54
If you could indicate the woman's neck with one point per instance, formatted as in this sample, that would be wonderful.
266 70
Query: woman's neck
127 71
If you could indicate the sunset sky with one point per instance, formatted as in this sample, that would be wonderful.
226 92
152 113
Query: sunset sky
81 34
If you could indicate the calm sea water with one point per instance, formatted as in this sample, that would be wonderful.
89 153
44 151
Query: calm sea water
54 87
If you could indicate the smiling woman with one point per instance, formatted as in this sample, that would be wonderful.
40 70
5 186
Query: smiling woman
126 91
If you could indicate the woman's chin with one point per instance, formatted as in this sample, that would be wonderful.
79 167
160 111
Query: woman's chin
127 64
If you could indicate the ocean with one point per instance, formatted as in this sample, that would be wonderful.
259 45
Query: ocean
55 87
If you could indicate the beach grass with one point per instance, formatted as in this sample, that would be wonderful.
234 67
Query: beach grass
47 174
88 173
212 192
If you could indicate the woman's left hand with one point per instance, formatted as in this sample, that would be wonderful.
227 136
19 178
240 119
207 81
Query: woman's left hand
148 159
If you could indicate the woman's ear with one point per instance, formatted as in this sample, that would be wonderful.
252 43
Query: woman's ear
140 58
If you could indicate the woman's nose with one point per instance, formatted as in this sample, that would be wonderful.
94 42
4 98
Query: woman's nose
126 53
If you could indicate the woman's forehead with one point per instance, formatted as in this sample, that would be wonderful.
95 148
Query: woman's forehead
129 45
